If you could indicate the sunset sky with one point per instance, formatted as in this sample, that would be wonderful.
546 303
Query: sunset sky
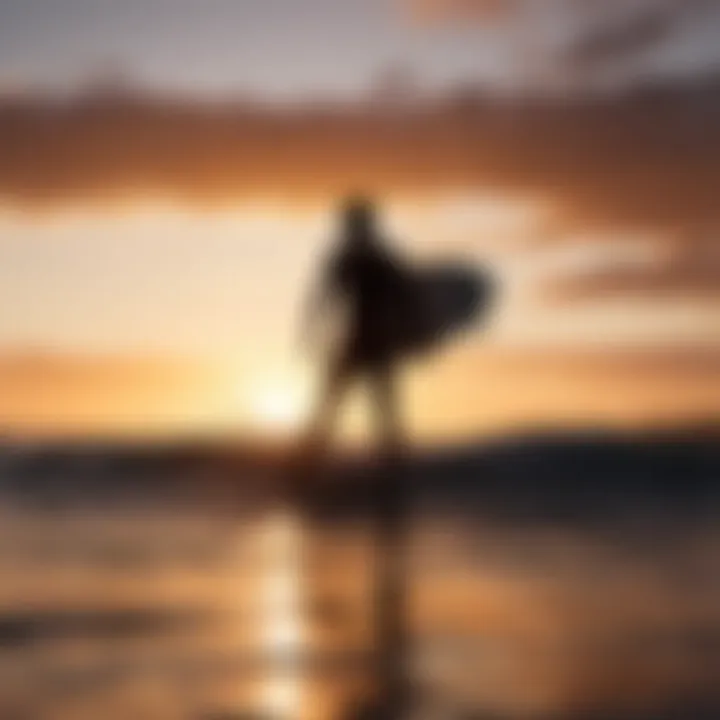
153 260
291 49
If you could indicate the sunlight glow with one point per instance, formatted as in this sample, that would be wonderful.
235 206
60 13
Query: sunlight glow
278 403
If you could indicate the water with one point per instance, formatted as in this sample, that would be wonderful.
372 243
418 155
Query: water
205 600
178 613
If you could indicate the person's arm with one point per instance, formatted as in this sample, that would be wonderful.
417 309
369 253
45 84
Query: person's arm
321 295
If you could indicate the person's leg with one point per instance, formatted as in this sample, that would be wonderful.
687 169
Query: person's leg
337 381
391 610
386 407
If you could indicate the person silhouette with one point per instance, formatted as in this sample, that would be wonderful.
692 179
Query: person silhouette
393 311
371 282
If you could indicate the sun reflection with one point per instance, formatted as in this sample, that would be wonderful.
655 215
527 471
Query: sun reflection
283 634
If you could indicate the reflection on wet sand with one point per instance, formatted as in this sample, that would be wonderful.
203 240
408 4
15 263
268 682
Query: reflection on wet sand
168 600
283 621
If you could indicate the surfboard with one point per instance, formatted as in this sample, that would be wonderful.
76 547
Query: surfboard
444 300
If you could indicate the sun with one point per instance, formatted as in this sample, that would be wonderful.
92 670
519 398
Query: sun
278 404
276 407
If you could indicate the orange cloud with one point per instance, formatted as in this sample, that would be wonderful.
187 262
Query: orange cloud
466 393
58 394
439 10
687 266
647 159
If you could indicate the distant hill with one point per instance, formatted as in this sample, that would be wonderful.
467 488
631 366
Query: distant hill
555 475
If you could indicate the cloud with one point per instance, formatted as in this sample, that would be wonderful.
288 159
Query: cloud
61 395
434 11
650 159
612 34
77 393
686 266
618 41
597 34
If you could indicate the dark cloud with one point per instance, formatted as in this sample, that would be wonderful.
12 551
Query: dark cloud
599 34
623 39
614 38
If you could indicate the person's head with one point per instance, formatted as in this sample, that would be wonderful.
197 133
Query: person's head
359 219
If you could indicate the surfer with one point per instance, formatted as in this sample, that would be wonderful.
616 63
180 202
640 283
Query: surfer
370 281
393 311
